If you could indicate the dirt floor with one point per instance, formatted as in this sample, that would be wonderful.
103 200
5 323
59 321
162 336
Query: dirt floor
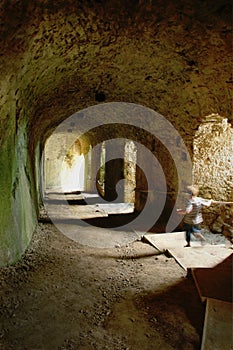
66 296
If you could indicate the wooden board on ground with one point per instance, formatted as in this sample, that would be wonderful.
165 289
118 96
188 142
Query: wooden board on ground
197 255
215 283
66 212
116 208
162 241
74 212
59 206
217 331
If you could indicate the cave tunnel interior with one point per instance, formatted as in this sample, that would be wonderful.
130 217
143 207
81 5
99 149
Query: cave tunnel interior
134 97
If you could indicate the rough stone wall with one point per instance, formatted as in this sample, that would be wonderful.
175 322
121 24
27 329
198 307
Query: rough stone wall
213 170
58 57
213 158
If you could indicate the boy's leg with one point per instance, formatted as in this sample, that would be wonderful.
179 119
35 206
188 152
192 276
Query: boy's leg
197 233
188 230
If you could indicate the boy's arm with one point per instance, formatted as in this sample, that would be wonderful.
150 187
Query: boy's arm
207 202
181 211
221 202
185 211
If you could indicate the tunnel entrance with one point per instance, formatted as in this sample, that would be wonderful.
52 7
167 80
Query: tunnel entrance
116 178
87 178
113 179
116 166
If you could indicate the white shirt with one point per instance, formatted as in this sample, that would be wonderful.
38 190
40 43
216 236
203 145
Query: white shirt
193 209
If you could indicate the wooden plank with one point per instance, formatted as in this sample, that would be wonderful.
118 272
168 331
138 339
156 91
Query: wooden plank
74 212
116 208
73 206
197 255
162 241
217 331
215 283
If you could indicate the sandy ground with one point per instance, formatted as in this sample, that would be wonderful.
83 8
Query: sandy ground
66 296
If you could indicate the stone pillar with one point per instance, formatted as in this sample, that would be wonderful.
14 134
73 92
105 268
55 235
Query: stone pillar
114 170
130 171
141 192
150 184
93 168
87 171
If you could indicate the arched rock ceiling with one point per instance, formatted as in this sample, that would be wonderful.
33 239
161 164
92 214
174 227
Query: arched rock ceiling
59 57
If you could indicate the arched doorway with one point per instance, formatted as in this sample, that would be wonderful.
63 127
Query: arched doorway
128 155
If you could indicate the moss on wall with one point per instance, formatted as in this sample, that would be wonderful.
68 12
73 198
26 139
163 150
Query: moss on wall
17 205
